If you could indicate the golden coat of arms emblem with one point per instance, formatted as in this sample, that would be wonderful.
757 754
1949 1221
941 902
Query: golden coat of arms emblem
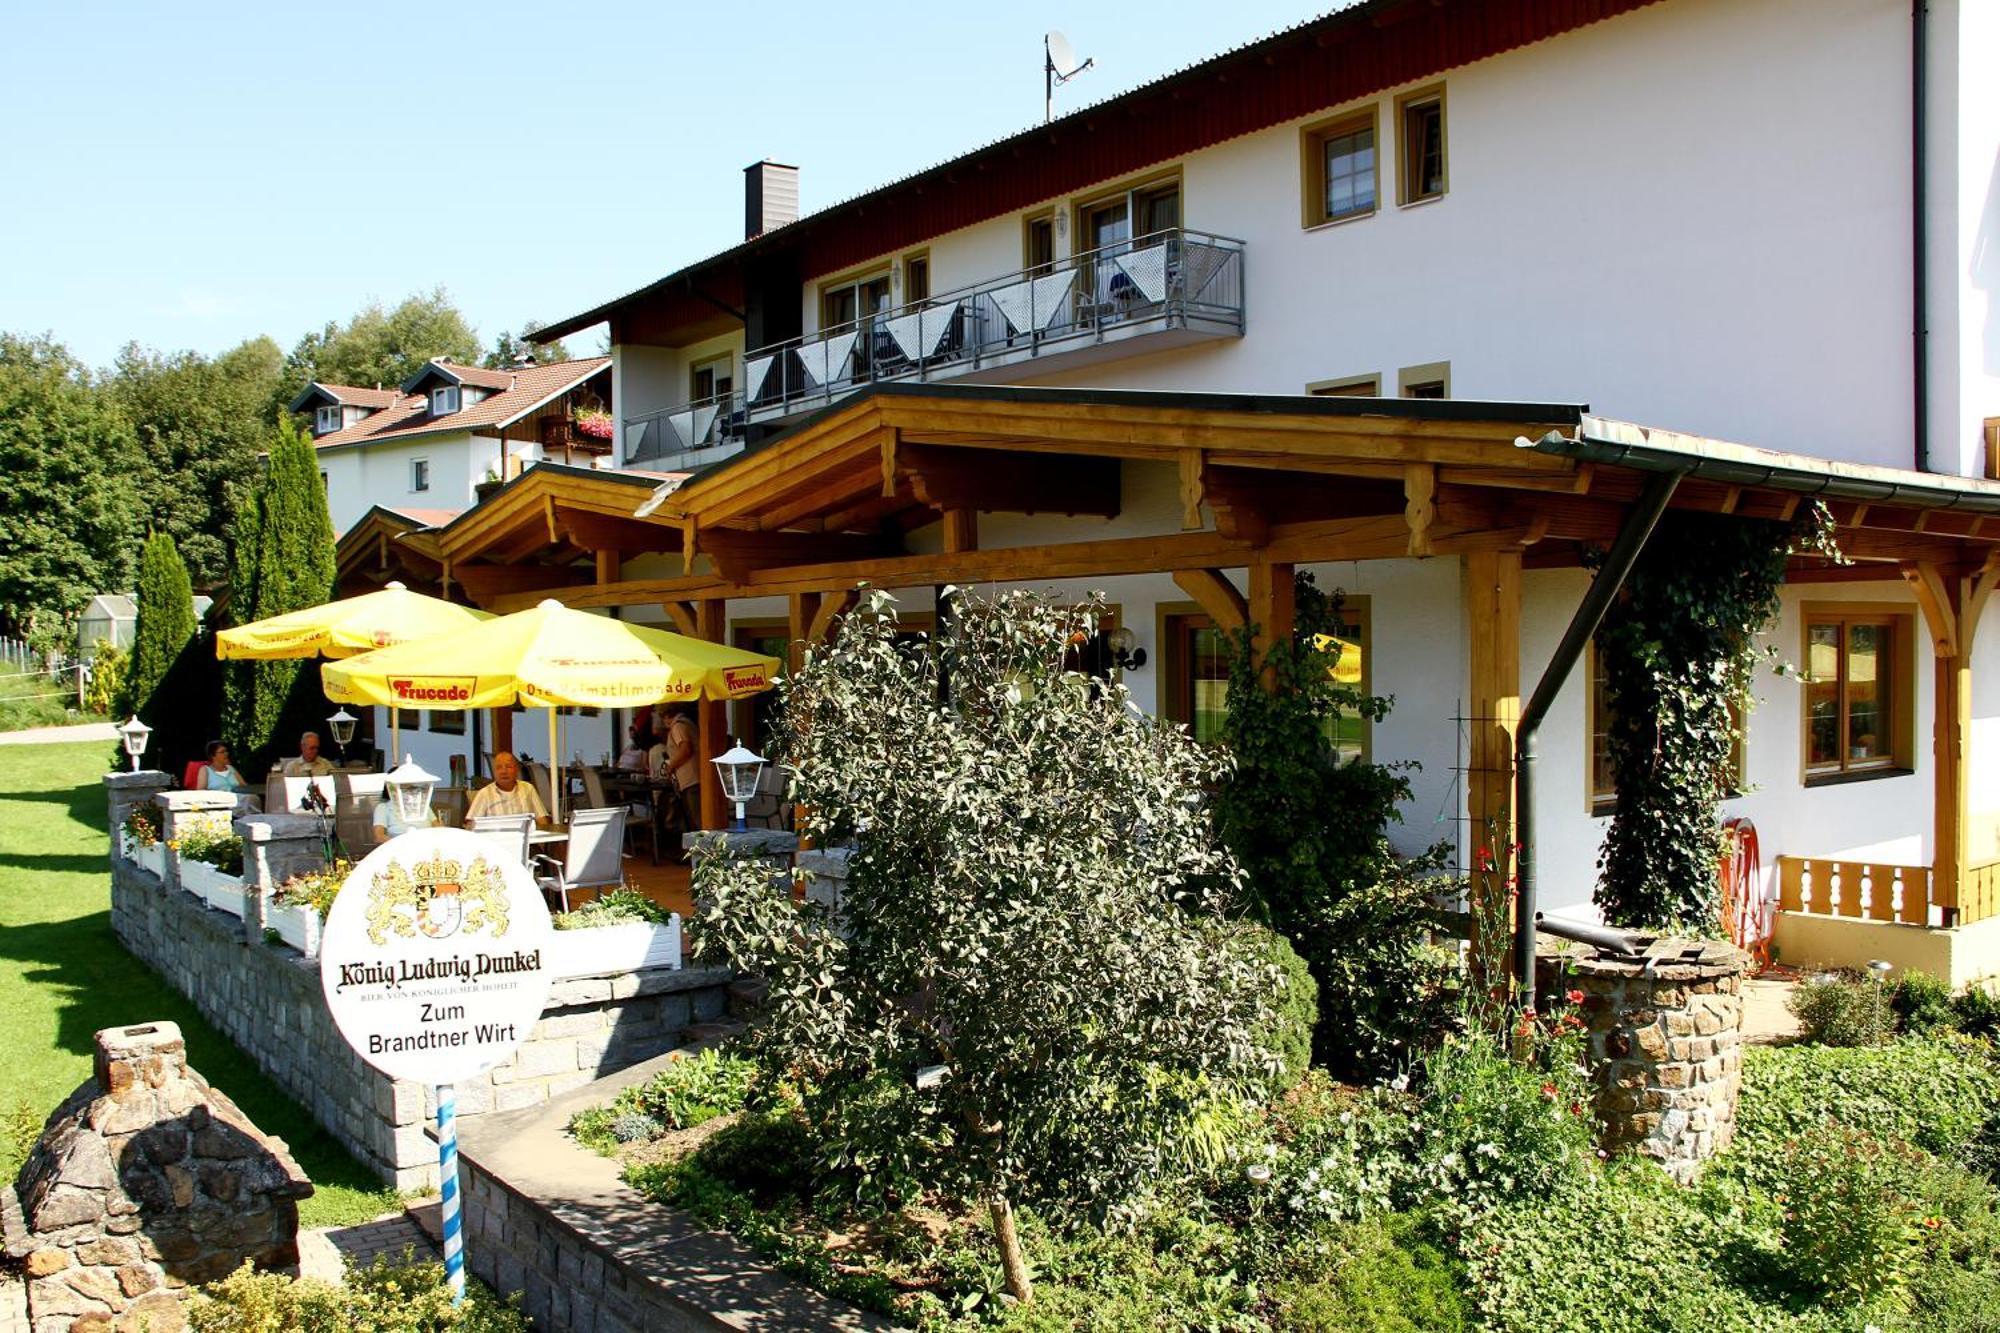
437 898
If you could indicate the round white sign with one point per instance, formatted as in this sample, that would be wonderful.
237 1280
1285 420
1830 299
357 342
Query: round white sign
435 958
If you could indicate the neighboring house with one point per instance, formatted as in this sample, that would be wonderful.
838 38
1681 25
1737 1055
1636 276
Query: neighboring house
432 440
113 618
1692 214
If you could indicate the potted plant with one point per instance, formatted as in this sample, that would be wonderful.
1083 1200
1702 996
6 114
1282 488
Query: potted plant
593 424
621 932
212 866
298 909
139 840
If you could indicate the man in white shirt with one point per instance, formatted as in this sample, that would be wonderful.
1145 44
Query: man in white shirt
310 763
507 794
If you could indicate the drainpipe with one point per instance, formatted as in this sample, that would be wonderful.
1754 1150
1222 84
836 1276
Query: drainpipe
1920 377
1624 553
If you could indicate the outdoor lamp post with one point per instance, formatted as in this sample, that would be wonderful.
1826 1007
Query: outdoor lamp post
411 788
134 734
738 771
342 726
1126 654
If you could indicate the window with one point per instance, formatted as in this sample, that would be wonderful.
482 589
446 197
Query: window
444 400
1196 676
1131 214
1039 244
1603 782
1340 170
420 474
327 420
325 480
1420 135
916 278
1426 381
710 379
1354 386
1857 697
407 720
448 721
846 302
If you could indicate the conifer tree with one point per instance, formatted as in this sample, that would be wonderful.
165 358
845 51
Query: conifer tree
165 628
284 561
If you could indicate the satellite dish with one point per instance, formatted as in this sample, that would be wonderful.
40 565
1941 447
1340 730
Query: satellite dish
1059 66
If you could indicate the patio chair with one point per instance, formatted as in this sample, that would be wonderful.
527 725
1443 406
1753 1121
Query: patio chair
638 813
593 859
768 807
510 832
538 773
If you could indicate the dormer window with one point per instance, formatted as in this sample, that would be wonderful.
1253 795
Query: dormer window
327 420
444 400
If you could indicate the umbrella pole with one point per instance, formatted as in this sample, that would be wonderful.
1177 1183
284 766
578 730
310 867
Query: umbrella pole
395 741
556 779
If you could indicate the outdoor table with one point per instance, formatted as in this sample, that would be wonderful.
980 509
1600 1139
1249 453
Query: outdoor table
542 837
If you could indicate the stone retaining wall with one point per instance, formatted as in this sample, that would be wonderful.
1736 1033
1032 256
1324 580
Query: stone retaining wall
267 999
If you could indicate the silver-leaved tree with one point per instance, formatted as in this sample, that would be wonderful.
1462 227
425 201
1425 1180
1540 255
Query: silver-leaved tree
1031 991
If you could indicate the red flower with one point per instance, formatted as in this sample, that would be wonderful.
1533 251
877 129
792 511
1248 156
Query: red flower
1574 997
1549 1090
1483 859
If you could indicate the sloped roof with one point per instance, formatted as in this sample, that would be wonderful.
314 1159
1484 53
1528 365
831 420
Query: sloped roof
437 368
345 395
517 393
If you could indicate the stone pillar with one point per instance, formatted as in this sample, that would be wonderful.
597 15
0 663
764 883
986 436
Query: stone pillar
275 848
1665 1038
188 809
124 791
145 1181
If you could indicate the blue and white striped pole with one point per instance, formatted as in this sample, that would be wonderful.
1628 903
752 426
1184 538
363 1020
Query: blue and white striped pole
454 1241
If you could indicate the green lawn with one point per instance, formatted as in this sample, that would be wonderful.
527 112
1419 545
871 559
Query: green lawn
63 975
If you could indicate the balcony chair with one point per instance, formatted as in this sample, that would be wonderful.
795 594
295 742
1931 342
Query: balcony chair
593 859
509 832
639 814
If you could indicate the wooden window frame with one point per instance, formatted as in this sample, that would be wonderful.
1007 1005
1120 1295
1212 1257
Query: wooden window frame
1430 372
1899 696
923 257
1081 207
1602 802
1406 196
1029 264
1174 667
1312 165
1342 387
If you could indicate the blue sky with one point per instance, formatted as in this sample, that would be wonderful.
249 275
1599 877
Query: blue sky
191 175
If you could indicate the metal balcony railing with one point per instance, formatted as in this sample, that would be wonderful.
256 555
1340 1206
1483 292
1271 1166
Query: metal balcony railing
1170 279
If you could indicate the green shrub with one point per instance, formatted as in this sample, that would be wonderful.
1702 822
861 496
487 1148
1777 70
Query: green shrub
382 1298
1978 1011
1850 1212
1922 1004
1940 1095
1841 1009
1289 1034
693 1091
617 908
1386 1276
108 663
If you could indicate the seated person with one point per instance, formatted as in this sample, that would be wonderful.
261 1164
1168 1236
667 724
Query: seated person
638 742
310 762
389 822
218 774
507 794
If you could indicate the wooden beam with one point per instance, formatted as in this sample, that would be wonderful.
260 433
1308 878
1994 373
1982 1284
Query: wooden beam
832 606
598 532
484 583
803 609
682 615
1271 608
1192 464
1492 587
1420 508
609 565
961 530
891 441
711 721
1240 509
738 555
1216 596
946 479
1938 603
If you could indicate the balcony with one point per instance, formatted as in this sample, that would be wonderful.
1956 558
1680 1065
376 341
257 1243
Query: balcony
1165 290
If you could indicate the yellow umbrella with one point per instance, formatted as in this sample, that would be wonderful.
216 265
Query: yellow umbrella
390 615
549 657
1346 666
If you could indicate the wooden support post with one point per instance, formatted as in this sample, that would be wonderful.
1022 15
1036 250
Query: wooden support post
609 564
1952 605
1271 610
1492 586
1216 595
712 721
682 614
832 605
804 608
1420 505
503 729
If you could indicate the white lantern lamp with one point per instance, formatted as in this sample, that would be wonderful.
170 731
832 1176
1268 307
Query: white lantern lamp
411 787
134 733
342 726
738 771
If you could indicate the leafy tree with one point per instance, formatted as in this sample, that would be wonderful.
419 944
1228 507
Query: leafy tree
1311 834
509 350
284 561
1028 993
200 425
379 346
69 511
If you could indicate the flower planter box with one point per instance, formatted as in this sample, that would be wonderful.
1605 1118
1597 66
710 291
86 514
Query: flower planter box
299 927
147 856
602 950
223 892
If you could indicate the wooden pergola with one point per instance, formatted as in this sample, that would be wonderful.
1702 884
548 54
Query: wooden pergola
886 489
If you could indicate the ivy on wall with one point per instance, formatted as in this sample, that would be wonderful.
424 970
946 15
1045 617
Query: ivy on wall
1678 649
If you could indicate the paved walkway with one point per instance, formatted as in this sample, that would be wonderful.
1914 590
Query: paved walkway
13 1304
329 1252
81 731
1767 1016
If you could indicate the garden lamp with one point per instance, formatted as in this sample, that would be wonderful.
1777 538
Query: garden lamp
1126 654
412 788
134 734
738 771
342 726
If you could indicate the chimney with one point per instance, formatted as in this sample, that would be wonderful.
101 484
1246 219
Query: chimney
770 197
